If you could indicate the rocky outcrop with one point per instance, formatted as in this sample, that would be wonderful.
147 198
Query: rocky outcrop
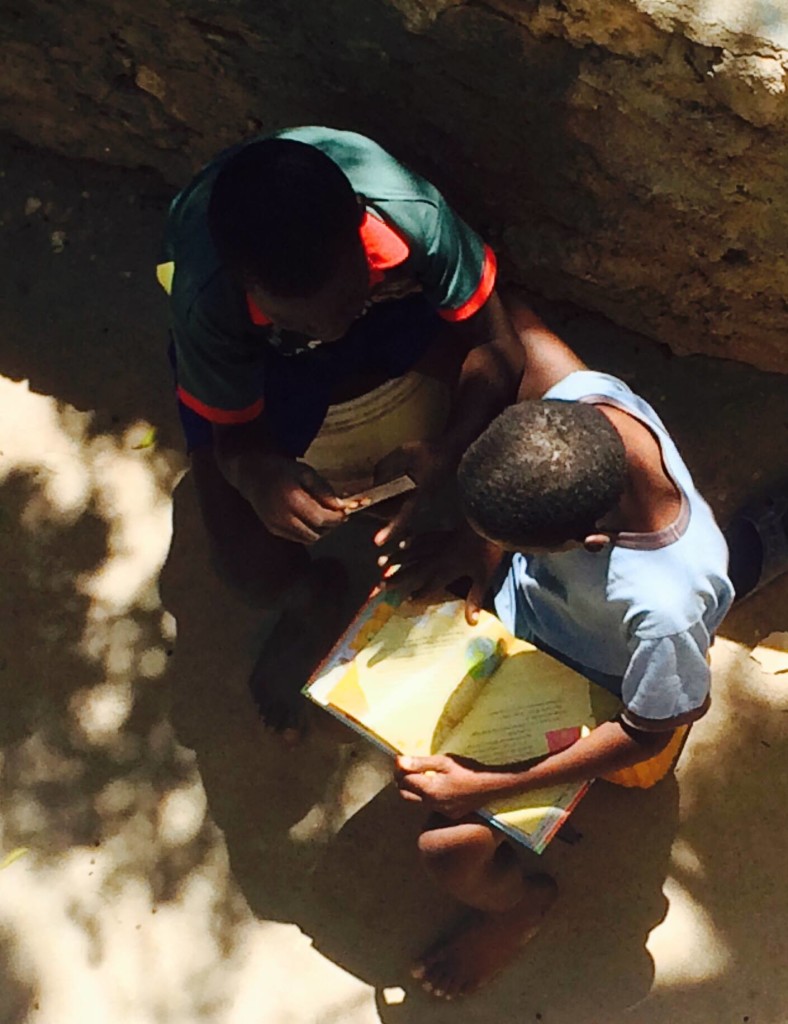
629 155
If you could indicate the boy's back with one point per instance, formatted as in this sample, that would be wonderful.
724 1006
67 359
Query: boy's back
638 617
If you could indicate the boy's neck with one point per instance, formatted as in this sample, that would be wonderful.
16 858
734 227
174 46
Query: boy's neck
651 500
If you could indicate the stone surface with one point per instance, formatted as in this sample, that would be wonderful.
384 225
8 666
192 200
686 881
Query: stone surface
629 156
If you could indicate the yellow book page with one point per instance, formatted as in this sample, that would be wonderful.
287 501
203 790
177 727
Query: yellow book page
533 705
528 812
422 680
399 684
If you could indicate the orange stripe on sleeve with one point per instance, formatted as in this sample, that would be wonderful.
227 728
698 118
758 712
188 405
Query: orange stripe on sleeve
225 417
480 296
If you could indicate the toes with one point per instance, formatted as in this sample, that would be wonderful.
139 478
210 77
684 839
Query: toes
439 981
447 987
282 717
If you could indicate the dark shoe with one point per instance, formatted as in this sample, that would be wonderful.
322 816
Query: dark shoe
757 539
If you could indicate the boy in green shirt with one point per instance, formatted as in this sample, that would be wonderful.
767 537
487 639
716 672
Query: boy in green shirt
303 269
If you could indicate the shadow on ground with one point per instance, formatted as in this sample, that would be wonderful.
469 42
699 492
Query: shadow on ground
360 893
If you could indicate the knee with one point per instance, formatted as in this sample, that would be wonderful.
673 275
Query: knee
455 852
255 581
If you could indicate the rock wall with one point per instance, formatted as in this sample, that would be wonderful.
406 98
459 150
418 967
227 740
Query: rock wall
628 155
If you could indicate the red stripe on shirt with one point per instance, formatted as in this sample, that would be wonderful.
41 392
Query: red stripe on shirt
384 247
480 296
225 417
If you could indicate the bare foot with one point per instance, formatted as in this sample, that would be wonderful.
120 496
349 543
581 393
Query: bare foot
484 943
279 709
304 632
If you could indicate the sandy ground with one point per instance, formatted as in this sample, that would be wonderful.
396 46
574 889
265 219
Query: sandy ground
172 863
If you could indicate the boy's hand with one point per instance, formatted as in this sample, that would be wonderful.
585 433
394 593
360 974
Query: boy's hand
432 561
293 501
428 466
444 784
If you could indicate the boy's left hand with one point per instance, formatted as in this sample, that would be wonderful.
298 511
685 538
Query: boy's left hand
442 783
432 561
428 466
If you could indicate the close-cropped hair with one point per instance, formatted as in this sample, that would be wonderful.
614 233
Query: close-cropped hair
543 472
281 213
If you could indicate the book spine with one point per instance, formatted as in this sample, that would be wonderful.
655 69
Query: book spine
509 830
538 841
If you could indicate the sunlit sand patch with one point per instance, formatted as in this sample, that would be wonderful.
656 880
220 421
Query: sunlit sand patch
138 940
50 445
130 500
27 817
116 797
772 653
148 599
737 684
181 813
152 662
101 711
355 781
314 827
686 945
326 992
741 693
686 860
71 470
111 642
168 626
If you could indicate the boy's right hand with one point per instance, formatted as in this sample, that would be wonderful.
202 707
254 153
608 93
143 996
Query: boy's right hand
293 501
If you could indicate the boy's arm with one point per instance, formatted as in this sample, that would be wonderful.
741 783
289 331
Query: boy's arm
488 382
489 377
454 787
219 376
546 358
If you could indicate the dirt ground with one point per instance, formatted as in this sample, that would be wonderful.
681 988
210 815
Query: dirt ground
167 861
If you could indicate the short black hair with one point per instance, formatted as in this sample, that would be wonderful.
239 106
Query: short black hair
281 213
543 472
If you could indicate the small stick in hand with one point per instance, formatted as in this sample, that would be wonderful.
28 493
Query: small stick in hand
382 492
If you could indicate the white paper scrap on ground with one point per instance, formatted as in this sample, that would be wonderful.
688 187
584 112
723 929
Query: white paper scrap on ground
772 653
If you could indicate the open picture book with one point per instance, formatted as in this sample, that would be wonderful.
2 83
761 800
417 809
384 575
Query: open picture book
416 679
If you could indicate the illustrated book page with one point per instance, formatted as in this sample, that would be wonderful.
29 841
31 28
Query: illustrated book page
418 680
